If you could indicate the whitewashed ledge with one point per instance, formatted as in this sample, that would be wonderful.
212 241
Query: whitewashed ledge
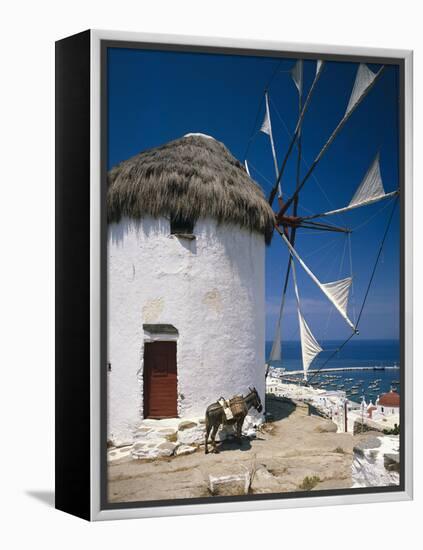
376 461
174 437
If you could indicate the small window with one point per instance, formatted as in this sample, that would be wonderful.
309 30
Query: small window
182 227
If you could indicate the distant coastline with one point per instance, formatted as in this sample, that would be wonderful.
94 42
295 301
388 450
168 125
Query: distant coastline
359 353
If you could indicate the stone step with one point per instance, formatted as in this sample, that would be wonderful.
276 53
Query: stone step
167 437
153 449
227 479
175 436
145 433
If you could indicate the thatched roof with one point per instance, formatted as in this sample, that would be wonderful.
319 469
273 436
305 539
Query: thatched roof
192 177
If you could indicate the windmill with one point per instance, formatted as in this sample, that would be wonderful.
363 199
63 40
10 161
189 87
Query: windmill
287 219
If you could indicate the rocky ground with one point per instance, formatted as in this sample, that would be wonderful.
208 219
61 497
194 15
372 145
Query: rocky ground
296 451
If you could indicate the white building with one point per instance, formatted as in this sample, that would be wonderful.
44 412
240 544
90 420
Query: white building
388 403
186 302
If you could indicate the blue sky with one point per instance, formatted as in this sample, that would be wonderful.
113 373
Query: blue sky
155 97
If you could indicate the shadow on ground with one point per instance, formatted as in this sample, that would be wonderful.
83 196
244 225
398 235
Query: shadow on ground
234 445
279 407
46 497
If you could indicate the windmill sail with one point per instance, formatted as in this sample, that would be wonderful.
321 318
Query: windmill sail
337 291
319 67
369 191
371 188
310 347
297 75
275 353
247 169
363 80
266 128
297 131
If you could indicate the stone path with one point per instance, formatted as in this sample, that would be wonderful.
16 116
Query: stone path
295 452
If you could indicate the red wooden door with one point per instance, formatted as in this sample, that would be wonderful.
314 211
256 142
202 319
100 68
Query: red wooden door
160 380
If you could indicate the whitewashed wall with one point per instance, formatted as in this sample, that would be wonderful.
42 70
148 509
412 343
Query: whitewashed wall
211 289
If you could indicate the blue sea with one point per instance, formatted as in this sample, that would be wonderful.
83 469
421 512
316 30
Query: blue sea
356 353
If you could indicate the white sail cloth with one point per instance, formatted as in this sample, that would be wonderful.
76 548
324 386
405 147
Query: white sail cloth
310 347
275 353
266 128
337 291
363 80
319 67
369 191
247 169
297 75
371 188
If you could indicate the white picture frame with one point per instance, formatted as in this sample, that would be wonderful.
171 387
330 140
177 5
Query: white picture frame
97 41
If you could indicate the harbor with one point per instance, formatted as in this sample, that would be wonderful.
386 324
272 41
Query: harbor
343 369
363 369
335 403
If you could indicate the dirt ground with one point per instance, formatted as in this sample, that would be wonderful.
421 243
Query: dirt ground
297 451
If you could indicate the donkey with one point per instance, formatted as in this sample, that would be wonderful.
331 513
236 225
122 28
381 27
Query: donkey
215 417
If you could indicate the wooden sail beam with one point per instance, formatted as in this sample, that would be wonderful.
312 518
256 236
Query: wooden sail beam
324 227
293 230
353 206
295 222
312 225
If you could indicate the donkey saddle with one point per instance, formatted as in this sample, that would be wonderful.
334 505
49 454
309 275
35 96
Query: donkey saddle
233 407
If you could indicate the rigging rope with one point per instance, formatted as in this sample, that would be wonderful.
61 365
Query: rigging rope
258 172
365 296
377 260
316 250
360 226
